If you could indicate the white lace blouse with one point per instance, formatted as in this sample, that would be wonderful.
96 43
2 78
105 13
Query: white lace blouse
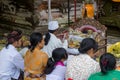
81 67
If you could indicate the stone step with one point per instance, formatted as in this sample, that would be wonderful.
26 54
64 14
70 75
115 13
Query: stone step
41 29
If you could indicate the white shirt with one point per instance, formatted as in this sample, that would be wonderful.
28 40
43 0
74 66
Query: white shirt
81 67
23 51
53 43
10 63
73 51
57 74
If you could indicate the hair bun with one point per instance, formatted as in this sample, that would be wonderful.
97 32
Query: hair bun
14 36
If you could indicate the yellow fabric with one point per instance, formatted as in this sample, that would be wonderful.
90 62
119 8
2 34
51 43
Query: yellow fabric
35 63
114 49
90 10
116 0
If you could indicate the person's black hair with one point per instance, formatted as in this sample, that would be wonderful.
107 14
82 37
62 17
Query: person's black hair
13 36
87 44
57 55
35 38
107 62
47 36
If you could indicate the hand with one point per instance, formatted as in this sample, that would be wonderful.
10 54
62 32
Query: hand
66 36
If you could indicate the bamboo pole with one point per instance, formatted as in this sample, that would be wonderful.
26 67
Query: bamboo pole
75 10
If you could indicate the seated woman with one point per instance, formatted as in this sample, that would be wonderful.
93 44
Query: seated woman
80 67
11 62
108 72
56 69
35 58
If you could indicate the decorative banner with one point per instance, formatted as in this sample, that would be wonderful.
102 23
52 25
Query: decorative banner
90 10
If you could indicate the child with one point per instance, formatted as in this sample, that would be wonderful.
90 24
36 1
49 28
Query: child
55 68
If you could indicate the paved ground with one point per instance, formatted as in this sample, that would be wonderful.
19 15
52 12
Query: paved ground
112 39
113 35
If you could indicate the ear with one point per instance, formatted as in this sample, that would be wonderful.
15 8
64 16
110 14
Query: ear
90 50
15 43
39 45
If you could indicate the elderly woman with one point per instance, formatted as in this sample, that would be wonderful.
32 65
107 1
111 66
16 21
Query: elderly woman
80 67
107 65
11 62
35 58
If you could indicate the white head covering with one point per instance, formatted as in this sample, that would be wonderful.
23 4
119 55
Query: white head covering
53 25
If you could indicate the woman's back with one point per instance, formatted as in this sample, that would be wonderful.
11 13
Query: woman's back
8 61
81 67
107 64
57 74
111 75
34 64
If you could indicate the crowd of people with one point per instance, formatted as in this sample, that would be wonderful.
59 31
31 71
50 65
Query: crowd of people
47 58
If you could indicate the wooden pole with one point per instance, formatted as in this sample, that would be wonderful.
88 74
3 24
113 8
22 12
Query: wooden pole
98 8
68 12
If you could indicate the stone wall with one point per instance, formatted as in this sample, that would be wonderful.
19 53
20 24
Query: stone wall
16 14
29 14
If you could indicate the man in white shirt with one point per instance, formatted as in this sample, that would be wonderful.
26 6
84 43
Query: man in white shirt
51 41
11 62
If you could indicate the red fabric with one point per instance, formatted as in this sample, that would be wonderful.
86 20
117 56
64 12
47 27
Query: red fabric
69 79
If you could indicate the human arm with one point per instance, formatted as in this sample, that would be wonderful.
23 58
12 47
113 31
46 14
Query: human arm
18 61
45 59
63 44
73 51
